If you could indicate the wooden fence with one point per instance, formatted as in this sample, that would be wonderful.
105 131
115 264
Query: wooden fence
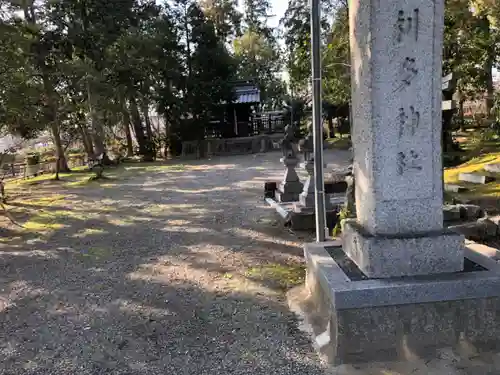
230 146
16 171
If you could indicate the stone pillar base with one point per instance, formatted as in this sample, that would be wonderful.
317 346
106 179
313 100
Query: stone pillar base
391 256
356 319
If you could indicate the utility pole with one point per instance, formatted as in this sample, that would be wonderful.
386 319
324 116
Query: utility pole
319 194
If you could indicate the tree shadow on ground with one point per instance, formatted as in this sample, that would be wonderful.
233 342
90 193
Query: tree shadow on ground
160 273
118 325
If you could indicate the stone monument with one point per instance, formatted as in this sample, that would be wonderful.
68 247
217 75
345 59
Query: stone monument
398 283
290 188
396 105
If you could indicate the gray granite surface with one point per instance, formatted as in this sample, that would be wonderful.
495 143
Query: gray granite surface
396 96
397 318
412 254
399 290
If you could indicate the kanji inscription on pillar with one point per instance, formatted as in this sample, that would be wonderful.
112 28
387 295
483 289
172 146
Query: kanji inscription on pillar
406 142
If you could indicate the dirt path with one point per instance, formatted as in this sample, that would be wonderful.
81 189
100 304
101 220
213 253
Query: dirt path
169 270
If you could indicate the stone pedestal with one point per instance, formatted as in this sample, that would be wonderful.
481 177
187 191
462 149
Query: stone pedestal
291 187
303 213
357 319
393 256
306 201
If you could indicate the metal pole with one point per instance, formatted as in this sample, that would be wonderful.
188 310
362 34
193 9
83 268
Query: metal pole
319 193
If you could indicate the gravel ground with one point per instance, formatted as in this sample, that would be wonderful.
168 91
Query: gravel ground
149 276
155 274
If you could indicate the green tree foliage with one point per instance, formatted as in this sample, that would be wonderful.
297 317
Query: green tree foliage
212 70
258 53
471 42
256 17
296 25
258 59
21 91
336 59
225 17
95 70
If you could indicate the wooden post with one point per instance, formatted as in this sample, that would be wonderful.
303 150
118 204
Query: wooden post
235 122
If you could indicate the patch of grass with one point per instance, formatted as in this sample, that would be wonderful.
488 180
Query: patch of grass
477 142
95 253
46 200
156 209
282 276
474 165
89 232
121 222
37 179
85 179
43 222
169 168
487 195
155 167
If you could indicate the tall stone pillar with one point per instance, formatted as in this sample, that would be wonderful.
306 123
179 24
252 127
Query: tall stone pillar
396 57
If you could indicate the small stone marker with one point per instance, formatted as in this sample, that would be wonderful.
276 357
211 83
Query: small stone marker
452 188
475 178
493 167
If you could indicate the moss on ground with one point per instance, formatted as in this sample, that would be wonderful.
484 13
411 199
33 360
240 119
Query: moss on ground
474 165
487 195
278 275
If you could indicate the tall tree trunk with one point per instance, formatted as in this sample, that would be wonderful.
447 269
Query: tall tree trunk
147 120
461 113
149 129
97 136
188 44
97 129
128 134
490 89
331 129
61 164
139 129
488 65
87 142
168 136
126 124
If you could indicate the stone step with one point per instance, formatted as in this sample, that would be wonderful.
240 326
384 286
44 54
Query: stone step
455 212
475 178
487 251
480 230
